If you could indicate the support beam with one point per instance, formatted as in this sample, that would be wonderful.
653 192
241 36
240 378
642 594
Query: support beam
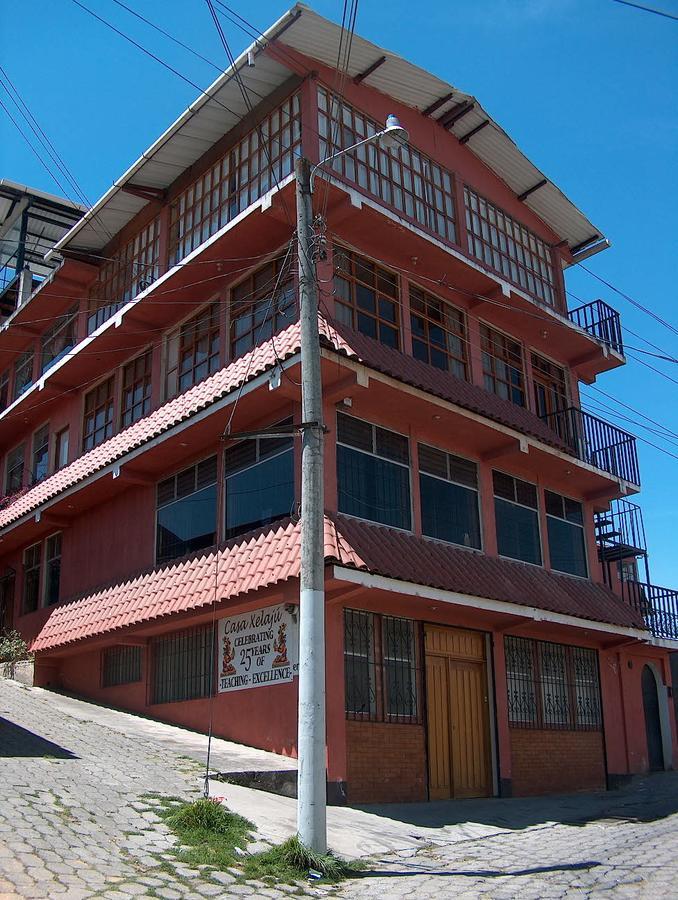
452 116
531 190
467 137
132 476
368 71
579 247
146 192
515 445
437 104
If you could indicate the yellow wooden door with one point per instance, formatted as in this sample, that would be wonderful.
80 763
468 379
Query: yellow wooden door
458 714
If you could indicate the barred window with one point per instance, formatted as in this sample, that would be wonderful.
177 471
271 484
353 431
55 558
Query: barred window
40 465
59 338
402 177
121 665
502 365
32 566
186 518
552 685
448 487
256 313
246 172
23 373
516 510
193 351
98 419
52 569
14 471
182 664
509 247
438 333
381 667
366 297
136 389
567 542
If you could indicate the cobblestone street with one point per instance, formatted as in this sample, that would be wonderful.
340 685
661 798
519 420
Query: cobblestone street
76 820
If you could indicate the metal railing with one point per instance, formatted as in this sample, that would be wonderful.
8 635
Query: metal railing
657 605
596 442
601 321
620 531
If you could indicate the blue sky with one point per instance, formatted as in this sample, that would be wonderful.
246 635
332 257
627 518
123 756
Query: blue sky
585 87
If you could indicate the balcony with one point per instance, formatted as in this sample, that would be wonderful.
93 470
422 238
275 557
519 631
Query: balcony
597 443
657 605
601 322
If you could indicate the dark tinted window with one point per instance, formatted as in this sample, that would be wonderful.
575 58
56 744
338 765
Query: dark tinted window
517 518
187 511
567 543
449 497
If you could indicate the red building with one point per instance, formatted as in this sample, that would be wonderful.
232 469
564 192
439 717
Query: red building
487 628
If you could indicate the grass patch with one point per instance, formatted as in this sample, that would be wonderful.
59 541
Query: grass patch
209 831
291 861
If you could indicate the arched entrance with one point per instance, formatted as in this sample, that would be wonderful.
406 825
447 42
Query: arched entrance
653 727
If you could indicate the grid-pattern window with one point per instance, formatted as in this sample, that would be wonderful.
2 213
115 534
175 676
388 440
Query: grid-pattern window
98 419
552 685
509 247
448 487
373 472
40 465
187 511
258 483
59 338
61 441
516 510
136 389
401 176
52 568
261 305
32 565
567 543
23 373
182 665
193 351
381 667
246 172
438 333
366 297
14 471
550 388
121 278
4 390
121 665
502 365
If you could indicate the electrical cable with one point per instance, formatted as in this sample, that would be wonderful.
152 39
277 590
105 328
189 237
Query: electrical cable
35 152
648 9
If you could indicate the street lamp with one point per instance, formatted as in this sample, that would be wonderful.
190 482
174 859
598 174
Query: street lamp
311 779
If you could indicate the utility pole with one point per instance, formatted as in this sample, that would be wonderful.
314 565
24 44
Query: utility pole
312 778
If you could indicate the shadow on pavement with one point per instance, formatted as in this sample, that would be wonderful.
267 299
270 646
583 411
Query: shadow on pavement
477 873
17 741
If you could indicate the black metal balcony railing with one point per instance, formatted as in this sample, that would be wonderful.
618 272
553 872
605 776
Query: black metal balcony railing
601 321
596 442
657 605
620 532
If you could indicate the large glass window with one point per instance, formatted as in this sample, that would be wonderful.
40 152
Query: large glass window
373 472
23 373
502 365
366 297
438 333
40 466
256 313
449 497
550 388
14 471
136 389
182 665
98 419
59 338
567 543
52 569
193 351
187 511
32 565
259 483
509 247
516 510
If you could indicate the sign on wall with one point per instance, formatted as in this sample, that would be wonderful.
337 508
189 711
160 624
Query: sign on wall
258 648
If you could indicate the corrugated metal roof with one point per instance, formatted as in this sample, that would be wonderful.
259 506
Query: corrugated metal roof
206 120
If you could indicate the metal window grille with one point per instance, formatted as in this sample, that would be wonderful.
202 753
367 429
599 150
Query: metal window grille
98 420
502 365
438 333
255 314
182 665
400 668
136 389
552 686
366 297
509 247
193 351
121 665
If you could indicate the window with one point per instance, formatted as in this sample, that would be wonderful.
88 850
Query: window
98 419
449 497
502 365
402 177
438 333
182 665
552 685
59 338
4 390
509 247
120 665
14 473
136 389
61 449
40 466
366 297
567 543
193 351
516 511
258 483
256 313
246 172
381 668
23 373
373 472
550 389
52 569
32 562
187 511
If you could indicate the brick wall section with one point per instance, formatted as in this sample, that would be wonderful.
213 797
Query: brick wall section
386 762
553 762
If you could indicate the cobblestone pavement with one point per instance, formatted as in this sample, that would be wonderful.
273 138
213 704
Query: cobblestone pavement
76 820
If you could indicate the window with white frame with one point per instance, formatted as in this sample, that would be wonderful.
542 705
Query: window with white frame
567 542
516 510
448 487
186 518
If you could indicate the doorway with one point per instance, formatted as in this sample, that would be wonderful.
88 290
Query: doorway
653 726
459 752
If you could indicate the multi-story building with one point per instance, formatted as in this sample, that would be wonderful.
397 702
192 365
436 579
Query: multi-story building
482 636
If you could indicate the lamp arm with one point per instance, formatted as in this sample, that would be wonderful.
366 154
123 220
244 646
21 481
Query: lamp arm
367 140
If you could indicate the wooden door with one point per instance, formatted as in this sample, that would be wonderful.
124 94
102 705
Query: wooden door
458 714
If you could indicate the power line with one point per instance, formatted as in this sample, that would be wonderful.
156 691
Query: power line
632 409
35 152
648 9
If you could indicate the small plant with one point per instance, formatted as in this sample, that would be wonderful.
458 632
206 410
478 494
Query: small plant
209 831
292 861
13 648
